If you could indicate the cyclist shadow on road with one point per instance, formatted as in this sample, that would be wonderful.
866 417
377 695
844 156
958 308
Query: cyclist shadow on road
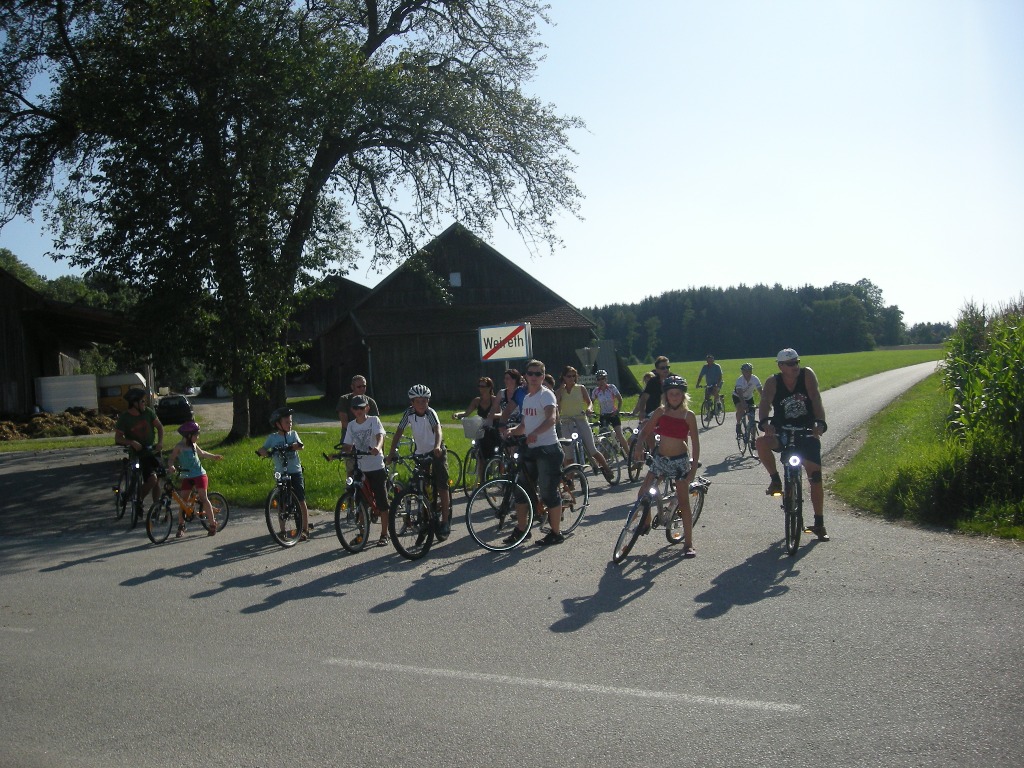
757 578
464 562
619 586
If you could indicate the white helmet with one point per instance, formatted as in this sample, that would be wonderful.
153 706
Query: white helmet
419 390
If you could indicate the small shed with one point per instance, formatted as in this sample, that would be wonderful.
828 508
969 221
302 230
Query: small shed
420 324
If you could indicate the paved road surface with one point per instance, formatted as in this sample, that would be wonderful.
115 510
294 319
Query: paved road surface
889 646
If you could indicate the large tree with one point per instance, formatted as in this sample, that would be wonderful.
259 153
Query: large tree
219 153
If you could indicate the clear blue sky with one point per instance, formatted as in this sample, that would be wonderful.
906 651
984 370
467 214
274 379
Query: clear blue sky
795 142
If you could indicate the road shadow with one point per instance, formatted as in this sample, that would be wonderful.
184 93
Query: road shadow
47 491
619 586
760 577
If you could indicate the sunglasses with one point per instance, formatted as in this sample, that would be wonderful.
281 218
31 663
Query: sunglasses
535 373
569 376
360 407
790 363
662 367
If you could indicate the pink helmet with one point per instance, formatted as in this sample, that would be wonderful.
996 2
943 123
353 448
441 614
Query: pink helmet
189 427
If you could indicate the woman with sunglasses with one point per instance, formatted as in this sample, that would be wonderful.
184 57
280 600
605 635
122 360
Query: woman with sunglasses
484 405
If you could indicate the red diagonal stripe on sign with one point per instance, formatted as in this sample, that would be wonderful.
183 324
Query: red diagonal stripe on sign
503 342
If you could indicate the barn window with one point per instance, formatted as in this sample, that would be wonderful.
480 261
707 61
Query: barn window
455 279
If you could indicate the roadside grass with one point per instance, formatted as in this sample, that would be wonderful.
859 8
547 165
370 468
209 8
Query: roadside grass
908 469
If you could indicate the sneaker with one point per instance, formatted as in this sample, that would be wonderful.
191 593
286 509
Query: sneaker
774 488
739 432
819 531
550 539
516 535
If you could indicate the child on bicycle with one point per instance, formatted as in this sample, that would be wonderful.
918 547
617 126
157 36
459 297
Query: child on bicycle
426 430
366 433
285 437
185 458
673 422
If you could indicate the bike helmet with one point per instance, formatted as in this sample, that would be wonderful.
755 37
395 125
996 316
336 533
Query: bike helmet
419 390
673 382
188 428
279 414
601 374
134 395
746 367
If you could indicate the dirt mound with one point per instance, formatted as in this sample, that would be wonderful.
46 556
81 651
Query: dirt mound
73 421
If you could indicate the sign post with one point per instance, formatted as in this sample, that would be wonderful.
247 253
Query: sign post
506 342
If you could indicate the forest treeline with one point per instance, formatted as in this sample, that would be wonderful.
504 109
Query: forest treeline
752 321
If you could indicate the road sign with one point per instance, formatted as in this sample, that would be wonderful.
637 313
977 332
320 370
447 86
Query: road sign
506 342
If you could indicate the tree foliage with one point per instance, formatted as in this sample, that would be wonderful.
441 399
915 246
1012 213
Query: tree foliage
753 321
219 155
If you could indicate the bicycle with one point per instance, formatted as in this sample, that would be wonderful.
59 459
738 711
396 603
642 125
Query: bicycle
161 518
416 517
354 510
580 458
282 505
711 408
661 495
792 486
637 456
607 443
471 466
746 440
129 486
492 510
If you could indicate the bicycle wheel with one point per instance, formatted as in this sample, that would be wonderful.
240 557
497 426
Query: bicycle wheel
410 525
574 488
612 457
674 532
707 409
470 469
630 532
719 412
159 520
791 505
454 462
635 460
741 439
121 491
352 523
491 514
495 470
221 512
284 517
696 502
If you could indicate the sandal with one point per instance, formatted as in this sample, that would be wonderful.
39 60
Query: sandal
383 541
304 536
212 530
689 552
181 531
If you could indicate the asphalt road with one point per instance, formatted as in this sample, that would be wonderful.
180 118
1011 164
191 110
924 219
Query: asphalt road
888 646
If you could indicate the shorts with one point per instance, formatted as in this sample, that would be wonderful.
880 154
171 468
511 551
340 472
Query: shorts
148 464
610 420
298 485
543 465
736 401
807 446
671 467
438 468
200 483
378 486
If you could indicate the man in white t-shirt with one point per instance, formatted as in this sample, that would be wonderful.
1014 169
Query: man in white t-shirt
743 393
542 456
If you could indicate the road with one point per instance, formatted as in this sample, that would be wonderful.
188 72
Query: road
888 646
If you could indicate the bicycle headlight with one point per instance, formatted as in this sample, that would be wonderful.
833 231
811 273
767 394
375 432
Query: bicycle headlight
653 490
793 460
575 435
349 481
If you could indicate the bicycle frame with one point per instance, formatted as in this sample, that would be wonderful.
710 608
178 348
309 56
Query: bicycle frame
792 486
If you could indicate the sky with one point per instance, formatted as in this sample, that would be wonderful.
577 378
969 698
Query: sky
778 141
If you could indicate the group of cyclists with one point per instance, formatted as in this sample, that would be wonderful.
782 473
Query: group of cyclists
536 409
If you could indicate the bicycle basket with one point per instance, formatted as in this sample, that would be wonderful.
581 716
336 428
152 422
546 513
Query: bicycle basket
473 427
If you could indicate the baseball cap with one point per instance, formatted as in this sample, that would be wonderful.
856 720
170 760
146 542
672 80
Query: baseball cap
786 355
359 401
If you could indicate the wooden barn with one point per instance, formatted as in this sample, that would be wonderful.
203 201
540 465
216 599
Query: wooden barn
42 337
405 332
